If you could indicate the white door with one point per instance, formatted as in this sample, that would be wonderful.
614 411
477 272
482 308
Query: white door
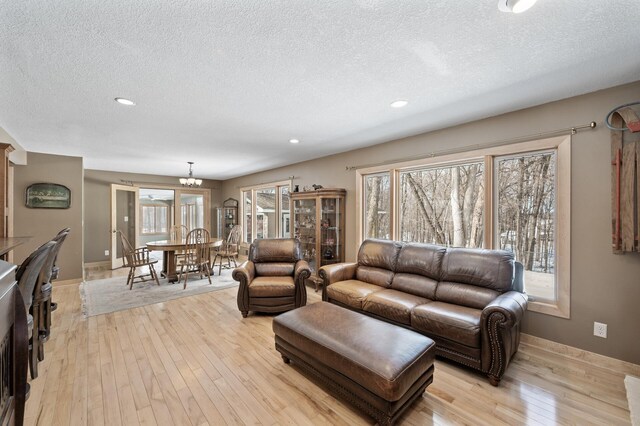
124 215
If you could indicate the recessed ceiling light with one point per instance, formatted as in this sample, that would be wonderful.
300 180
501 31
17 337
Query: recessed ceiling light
399 104
515 6
294 141
124 101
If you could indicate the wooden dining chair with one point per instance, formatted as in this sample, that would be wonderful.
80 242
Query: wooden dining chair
47 276
178 233
197 255
134 258
229 249
28 273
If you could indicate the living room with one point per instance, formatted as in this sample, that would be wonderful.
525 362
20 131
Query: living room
560 349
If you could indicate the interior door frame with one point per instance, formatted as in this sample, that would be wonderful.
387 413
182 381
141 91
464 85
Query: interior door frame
116 262
206 193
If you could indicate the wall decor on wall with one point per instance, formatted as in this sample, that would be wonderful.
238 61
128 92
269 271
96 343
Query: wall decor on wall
48 196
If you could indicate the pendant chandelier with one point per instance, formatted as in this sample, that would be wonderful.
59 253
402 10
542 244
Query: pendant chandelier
190 181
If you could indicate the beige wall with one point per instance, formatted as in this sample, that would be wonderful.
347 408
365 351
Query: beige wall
604 287
44 224
98 204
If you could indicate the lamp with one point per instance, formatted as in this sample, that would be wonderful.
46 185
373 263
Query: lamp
190 181
515 6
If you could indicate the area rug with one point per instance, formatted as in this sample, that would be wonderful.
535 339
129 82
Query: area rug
112 294
633 396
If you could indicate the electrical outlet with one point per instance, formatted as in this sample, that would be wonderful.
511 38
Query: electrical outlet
600 329
106 252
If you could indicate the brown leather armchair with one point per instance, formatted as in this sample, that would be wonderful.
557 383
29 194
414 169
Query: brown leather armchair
272 280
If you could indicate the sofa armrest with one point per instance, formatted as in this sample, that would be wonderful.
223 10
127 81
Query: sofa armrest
511 306
337 272
300 274
500 328
245 273
301 271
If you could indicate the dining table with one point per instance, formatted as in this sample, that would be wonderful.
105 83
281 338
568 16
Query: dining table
168 249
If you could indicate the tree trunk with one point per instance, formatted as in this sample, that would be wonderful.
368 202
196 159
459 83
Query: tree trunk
427 210
456 212
372 206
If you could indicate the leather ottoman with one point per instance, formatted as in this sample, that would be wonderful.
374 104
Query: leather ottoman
378 367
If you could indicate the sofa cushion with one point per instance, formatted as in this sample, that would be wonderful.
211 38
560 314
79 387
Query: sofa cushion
393 305
351 292
471 296
492 269
421 259
381 254
274 269
372 275
452 322
275 250
272 287
415 284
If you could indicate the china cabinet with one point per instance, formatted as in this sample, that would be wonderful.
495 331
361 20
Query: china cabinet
318 222
227 217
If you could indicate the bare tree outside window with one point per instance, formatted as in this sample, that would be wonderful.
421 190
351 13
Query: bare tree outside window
377 206
443 205
526 221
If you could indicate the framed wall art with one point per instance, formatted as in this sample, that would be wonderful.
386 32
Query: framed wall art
48 196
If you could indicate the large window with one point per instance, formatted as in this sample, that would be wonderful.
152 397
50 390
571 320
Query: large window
526 223
192 210
377 214
515 198
443 205
285 203
266 211
154 218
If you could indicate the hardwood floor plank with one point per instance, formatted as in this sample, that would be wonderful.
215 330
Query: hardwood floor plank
196 361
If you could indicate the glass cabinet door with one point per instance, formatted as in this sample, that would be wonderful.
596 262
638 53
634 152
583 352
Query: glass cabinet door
305 229
331 227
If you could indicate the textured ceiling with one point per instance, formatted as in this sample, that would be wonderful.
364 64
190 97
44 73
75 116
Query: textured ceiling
227 83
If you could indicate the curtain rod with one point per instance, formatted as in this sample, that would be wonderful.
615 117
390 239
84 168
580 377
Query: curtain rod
570 130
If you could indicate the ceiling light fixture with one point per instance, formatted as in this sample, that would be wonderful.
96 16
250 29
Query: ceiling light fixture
294 141
515 6
190 181
124 101
399 103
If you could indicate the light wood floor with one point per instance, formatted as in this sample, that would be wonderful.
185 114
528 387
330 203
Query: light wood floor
195 361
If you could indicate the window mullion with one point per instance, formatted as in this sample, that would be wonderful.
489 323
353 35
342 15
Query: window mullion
490 202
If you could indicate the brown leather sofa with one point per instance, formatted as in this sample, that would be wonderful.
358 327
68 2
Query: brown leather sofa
469 301
272 280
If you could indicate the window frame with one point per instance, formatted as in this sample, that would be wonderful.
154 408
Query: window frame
254 214
155 207
561 145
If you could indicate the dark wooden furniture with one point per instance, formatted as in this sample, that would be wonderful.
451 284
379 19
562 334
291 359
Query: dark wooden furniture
229 217
197 255
229 249
14 348
378 367
27 275
49 306
137 258
168 249
318 222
